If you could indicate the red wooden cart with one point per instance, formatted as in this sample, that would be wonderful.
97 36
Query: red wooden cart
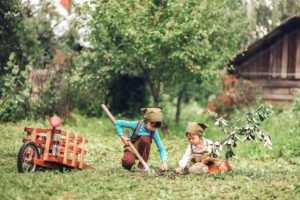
51 148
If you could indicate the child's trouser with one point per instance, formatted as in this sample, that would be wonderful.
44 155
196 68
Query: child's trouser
143 147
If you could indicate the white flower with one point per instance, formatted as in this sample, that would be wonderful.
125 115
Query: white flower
221 122
268 142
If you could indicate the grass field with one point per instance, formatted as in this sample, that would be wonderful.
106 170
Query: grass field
257 173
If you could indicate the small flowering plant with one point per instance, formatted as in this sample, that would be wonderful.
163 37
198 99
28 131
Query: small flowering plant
251 131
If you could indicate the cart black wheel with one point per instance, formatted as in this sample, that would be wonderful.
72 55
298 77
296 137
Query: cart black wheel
26 154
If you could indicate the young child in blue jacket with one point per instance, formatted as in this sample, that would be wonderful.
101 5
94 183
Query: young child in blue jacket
141 135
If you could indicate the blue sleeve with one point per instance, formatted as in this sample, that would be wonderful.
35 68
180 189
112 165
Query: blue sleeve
160 146
124 124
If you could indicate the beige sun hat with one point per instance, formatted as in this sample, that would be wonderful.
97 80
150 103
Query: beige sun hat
195 128
152 114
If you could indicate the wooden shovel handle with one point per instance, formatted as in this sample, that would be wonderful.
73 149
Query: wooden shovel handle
113 120
111 117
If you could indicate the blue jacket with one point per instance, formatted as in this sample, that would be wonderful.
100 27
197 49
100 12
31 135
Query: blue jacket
142 132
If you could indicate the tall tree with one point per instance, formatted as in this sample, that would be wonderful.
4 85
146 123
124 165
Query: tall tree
11 18
168 42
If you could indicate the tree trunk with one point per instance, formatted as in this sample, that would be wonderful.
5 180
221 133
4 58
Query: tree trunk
164 129
154 86
155 89
155 96
178 107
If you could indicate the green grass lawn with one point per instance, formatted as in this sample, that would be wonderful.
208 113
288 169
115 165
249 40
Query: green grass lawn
257 173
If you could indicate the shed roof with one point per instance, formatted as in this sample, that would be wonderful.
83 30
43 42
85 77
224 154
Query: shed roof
285 27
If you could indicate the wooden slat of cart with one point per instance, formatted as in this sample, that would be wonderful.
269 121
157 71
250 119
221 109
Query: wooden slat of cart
66 148
28 137
38 130
62 142
82 154
53 164
71 148
74 151
47 145
40 142
33 135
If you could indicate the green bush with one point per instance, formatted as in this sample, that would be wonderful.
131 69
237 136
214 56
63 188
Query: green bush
235 94
14 92
88 102
57 99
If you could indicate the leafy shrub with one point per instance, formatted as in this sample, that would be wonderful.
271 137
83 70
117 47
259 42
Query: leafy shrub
234 93
56 99
250 131
14 92
88 102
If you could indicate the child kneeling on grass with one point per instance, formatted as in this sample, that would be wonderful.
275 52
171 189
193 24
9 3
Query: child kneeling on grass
194 158
141 135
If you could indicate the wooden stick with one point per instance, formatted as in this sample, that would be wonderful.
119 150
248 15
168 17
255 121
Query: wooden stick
111 117
74 151
82 153
47 144
66 148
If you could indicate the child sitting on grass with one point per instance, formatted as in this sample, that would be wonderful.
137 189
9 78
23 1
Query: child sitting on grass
142 133
194 158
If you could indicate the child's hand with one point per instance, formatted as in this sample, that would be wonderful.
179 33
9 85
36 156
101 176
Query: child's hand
178 170
164 166
125 139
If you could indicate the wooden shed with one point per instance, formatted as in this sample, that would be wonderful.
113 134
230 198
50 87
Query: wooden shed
273 61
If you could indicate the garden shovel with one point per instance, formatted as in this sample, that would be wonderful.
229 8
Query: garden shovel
111 117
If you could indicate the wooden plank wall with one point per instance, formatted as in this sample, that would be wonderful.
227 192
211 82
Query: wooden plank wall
297 75
280 61
292 45
265 64
284 58
275 59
